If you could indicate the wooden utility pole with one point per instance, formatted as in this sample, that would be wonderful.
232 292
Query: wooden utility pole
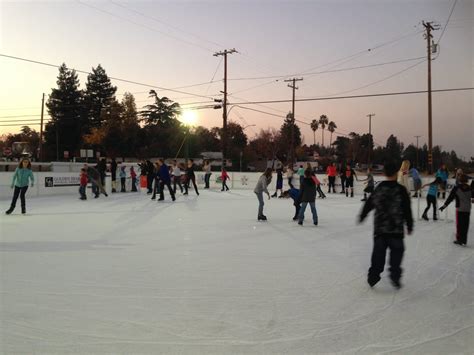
417 162
292 147
224 104
428 36
371 143
40 150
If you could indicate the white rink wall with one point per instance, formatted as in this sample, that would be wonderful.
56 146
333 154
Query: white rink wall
67 183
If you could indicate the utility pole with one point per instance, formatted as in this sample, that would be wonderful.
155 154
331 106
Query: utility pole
428 36
40 150
294 87
370 115
417 162
224 104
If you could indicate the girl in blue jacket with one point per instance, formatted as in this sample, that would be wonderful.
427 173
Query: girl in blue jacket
21 178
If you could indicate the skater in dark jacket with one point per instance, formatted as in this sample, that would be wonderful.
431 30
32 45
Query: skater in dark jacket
308 196
190 177
463 193
279 182
94 177
350 175
391 203
133 176
156 181
21 178
113 173
165 179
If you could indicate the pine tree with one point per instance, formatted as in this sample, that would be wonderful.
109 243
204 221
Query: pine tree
285 135
99 95
65 106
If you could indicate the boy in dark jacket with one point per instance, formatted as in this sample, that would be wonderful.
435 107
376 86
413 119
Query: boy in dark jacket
463 194
165 179
294 194
392 210
308 195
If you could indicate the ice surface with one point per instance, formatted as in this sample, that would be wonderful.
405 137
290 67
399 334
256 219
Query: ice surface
125 274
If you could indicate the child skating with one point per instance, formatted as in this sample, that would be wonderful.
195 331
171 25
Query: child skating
370 184
391 203
224 178
83 184
431 198
21 179
308 196
463 193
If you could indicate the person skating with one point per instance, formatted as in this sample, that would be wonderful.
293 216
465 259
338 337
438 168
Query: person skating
123 177
102 169
83 184
331 172
190 177
224 178
21 179
308 196
443 174
403 175
391 203
316 181
260 188
156 181
176 174
165 180
94 177
350 174
279 182
289 176
113 173
415 175
133 176
150 176
370 184
431 198
300 173
294 194
463 194
342 176
207 173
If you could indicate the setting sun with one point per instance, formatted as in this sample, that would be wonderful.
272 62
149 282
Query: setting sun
189 117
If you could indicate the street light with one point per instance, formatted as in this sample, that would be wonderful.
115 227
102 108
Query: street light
241 153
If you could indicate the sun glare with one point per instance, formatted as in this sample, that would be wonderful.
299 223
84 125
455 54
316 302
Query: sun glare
189 117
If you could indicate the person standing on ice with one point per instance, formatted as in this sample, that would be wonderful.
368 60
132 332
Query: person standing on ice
83 184
289 176
224 178
190 177
21 178
391 203
113 173
403 175
123 177
176 174
443 174
350 174
156 181
133 175
294 194
260 188
431 198
463 193
308 196
331 172
370 184
165 179
279 182
94 177
207 173
342 176
415 175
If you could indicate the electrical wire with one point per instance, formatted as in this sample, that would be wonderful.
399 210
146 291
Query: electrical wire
110 77
447 22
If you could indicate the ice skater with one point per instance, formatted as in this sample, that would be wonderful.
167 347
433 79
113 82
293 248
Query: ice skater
113 173
415 175
94 177
83 184
369 181
279 182
165 180
342 176
308 196
403 175
464 194
391 203
21 179
207 173
133 176
431 198
260 188
123 177
224 178
331 172
294 194
156 181
443 174
176 174
289 176
190 177
350 175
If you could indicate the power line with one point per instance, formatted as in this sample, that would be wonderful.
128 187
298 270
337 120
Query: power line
447 22
144 26
20 116
352 96
110 77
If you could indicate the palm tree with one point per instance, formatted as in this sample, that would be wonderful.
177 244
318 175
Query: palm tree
331 128
314 126
323 121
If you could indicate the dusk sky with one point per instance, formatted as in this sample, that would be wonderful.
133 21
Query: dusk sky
171 45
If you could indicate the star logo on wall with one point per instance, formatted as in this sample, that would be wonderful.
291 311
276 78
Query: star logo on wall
244 179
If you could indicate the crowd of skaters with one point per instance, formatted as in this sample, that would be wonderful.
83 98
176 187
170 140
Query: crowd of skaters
390 199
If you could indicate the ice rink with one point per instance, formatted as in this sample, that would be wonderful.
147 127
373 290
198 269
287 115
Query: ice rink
127 275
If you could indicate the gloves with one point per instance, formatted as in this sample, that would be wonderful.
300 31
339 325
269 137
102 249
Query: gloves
442 208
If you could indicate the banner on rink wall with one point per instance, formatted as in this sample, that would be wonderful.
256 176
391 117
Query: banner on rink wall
61 181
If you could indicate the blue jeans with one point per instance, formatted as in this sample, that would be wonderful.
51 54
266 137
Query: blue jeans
260 203
313 211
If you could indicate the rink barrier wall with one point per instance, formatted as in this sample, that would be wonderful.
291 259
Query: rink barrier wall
67 183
